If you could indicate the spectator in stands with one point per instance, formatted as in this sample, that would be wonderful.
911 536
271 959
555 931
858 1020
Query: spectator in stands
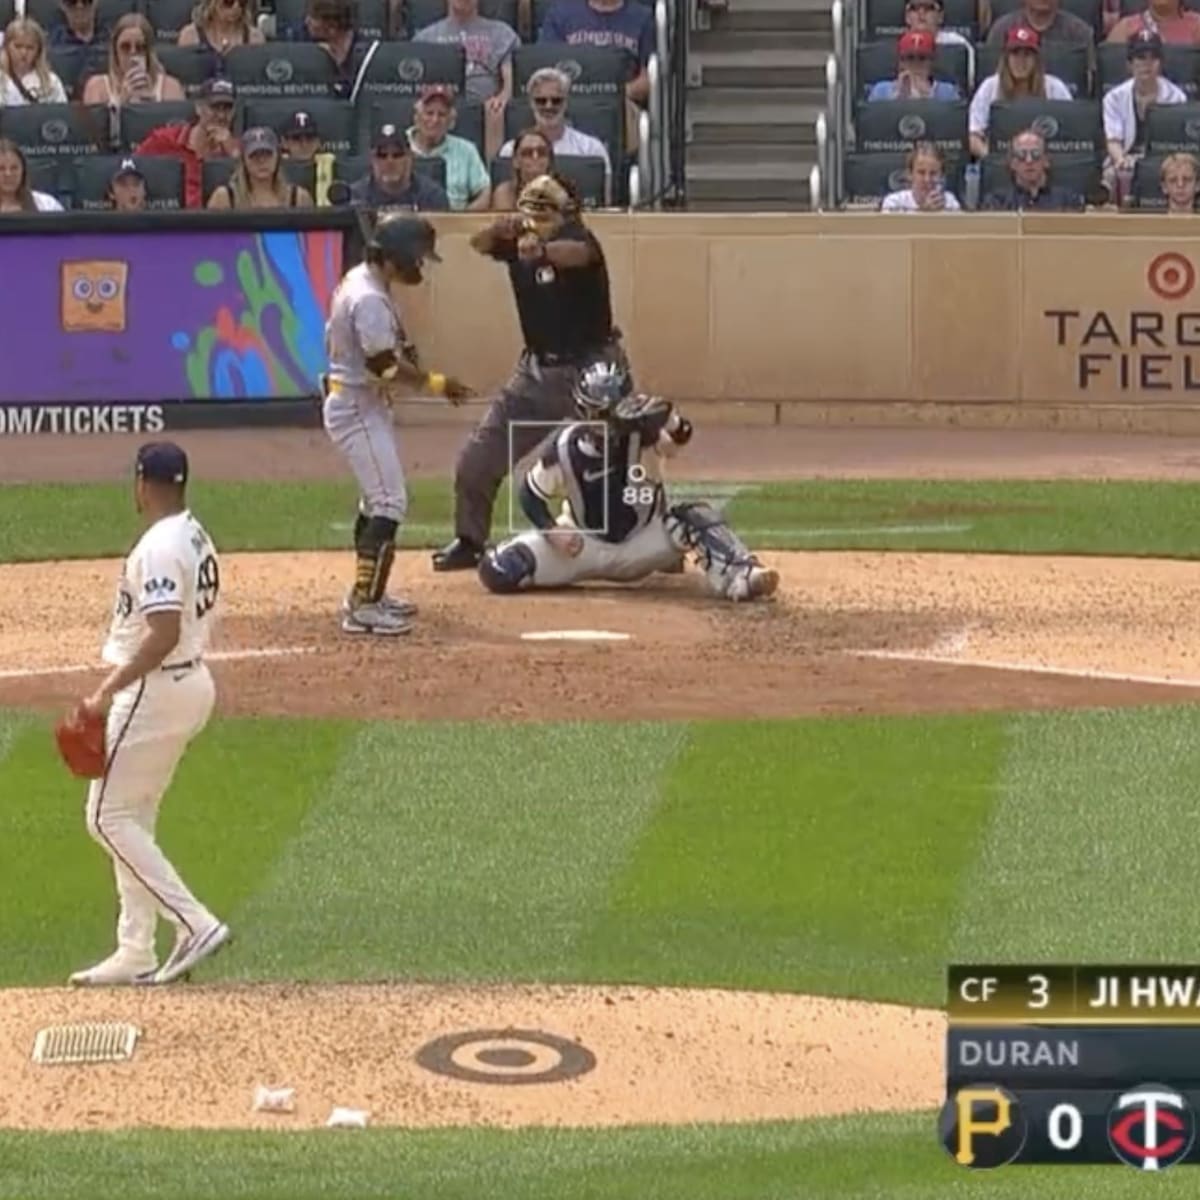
1126 105
1175 24
258 180
532 156
208 135
1020 75
300 137
392 182
25 74
220 25
468 184
488 46
926 16
927 184
547 90
626 24
332 24
15 193
135 75
1177 178
127 188
914 75
1048 20
1030 187
78 26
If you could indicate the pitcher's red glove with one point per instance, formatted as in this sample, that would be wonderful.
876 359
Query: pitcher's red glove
80 738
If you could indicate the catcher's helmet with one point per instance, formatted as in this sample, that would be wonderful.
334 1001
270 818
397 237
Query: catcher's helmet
403 241
601 386
545 196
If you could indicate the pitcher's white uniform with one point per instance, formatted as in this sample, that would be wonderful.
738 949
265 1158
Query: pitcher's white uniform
174 567
363 321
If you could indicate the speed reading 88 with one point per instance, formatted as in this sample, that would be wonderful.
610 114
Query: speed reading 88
639 487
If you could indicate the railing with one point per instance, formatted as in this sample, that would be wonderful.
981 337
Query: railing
837 121
816 186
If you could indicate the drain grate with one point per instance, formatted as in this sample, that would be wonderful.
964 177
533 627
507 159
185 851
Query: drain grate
93 1042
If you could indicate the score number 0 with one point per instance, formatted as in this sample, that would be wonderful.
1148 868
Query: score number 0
1064 1124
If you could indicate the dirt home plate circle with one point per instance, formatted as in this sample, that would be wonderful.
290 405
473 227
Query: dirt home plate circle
506 1056
1171 276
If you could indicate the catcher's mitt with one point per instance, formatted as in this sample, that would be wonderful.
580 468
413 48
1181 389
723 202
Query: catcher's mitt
644 414
80 739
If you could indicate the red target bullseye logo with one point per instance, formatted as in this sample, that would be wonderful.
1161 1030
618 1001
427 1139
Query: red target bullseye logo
1171 276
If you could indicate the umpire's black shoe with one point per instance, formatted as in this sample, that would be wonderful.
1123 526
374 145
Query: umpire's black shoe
460 555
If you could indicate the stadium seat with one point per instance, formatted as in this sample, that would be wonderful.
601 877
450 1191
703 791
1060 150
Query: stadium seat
399 110
897 124
48 130
164 181
870 177
352 167
168 17
137 120
403 68
191 65
1079 172
293 69
336 119
1169 127
877 62
53 175
425 12
1068 126
68 63
1068 63
370 20
1147 184
1090 11
1180 65
593 70
588 175
601 116
885 18
7 12
217 172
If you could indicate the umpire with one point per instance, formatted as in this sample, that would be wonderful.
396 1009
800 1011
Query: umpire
560 283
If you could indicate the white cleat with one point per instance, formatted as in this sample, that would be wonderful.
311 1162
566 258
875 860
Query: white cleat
191 949
375 619
118 970
400 605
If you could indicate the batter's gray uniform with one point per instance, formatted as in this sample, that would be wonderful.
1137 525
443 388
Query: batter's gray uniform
363 321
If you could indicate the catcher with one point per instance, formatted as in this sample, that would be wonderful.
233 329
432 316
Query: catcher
615 522
371 362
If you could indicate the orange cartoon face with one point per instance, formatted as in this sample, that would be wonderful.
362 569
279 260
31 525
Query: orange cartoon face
93 298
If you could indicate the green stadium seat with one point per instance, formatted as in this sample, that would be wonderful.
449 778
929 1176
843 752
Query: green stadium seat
293 69
403 68
898 124
336 119
168 17
588 175
1068 126
138 120
191 65
1169 127
593 70
164 181
53 130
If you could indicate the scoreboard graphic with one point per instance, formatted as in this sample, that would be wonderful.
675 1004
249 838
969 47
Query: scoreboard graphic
1072 1064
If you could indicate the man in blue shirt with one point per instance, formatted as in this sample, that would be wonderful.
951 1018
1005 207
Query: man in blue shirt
77 25
626 24
914 75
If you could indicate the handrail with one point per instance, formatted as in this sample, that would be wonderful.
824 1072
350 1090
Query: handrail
682 14
663 131
645 160
649 123
838 119
635 186
821 131
815 186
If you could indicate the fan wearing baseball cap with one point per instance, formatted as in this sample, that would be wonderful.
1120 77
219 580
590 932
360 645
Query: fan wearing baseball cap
914 72
1048 19
1019 76
391 181
127 188
1176 24
468 183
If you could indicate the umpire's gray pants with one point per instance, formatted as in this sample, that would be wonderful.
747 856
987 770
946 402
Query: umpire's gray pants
534 402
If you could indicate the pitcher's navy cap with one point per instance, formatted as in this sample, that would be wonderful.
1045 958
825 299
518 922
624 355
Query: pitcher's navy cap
162 462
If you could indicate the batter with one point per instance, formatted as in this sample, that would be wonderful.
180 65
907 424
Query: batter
158 697
369 355
615 522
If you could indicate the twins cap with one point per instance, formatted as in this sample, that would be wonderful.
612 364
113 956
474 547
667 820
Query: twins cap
259 138
1145 41
299 124
162 462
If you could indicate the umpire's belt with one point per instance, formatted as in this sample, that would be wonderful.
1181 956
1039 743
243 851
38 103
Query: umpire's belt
574 359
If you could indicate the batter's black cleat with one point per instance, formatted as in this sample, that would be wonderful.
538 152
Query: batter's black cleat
460 555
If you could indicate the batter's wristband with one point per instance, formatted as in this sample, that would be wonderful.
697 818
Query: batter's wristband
437 383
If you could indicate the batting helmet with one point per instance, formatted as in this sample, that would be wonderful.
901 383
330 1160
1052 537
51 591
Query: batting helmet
601 386
403 241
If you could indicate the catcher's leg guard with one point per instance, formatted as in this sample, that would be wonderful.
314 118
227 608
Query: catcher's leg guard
375 547
731 571
506 568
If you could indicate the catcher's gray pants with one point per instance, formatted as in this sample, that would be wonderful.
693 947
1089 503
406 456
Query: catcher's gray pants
649 549
359 423
534 401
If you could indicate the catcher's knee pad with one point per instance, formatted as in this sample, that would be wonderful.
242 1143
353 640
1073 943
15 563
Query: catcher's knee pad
506 568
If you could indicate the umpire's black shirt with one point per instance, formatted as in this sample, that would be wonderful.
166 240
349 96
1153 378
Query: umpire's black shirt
563 314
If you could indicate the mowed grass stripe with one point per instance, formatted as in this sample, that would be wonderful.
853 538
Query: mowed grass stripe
808 855
45 521
1090 842
456 852
242 789
863 1157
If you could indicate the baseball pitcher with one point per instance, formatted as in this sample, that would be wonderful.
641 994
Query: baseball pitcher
615 522
157 697
370 362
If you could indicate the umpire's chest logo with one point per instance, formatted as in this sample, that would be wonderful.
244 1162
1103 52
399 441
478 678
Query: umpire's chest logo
545 275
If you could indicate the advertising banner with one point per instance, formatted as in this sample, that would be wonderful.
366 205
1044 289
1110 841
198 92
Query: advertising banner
140 319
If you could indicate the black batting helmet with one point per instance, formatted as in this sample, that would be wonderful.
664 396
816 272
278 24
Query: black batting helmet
601 386
403 241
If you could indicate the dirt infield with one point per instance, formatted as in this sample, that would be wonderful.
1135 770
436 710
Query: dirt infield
850 633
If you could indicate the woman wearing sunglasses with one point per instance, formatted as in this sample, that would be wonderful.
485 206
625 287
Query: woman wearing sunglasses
25 74
134 75
532 156
220 25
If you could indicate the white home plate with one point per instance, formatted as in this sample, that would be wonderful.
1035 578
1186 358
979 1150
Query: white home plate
575 635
